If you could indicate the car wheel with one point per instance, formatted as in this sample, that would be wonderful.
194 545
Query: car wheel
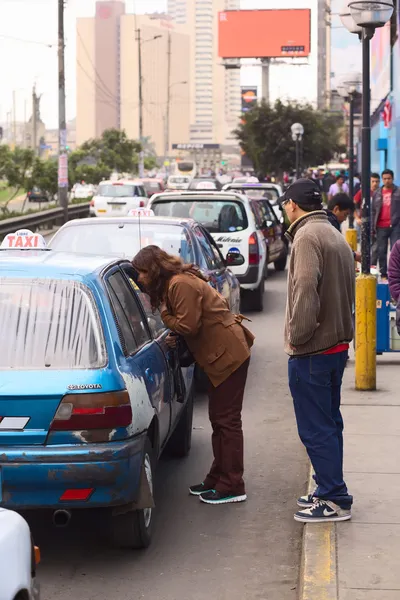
180 441
134 529
255 298
280 264
200 380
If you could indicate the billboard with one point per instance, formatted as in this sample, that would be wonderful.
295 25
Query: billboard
249 98
380 65
264 33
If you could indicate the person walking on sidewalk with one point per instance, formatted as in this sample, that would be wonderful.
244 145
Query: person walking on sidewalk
386 218
339 187
340 207
318 330
220 345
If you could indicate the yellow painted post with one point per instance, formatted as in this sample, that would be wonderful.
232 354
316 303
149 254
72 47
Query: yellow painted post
366 332
351 238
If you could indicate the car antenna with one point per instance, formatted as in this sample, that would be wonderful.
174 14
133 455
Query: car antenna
140 233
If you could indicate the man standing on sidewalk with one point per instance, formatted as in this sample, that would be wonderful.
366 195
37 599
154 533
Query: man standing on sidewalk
318 330
386 218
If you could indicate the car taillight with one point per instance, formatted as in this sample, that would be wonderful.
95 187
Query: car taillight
141 204
93 411
254 253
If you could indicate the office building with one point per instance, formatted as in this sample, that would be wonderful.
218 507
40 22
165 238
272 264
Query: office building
215 91
108 76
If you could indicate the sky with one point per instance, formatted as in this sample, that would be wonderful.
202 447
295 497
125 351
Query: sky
28 51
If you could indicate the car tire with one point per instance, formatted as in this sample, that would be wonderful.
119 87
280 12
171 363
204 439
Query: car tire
180 441
134 528
201 380
255 298
280 264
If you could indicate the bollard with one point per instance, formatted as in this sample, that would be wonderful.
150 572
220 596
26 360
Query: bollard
365 332
351 238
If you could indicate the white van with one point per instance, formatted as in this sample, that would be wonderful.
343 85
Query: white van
118 198
178 182
230 220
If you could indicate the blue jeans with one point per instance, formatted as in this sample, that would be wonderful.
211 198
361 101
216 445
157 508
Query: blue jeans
315 383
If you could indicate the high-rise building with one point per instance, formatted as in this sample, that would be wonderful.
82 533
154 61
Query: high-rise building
215 91
108 76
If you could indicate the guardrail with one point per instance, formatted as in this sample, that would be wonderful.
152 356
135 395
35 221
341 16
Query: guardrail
51 218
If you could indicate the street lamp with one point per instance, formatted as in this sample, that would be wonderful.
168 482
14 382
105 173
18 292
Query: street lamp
367 15
297 135
349 88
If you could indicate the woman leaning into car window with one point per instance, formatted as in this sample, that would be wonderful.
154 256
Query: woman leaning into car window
220 345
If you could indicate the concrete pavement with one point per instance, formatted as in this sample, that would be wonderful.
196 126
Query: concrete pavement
358 559
248 551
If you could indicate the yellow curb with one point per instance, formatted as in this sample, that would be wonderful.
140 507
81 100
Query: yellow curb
318 571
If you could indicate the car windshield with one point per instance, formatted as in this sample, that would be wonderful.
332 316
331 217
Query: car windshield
217 216
124 239
49 324
118 190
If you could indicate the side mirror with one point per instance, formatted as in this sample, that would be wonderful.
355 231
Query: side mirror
234 259
268 223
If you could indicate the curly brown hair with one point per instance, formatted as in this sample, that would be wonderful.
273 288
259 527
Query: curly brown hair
161 267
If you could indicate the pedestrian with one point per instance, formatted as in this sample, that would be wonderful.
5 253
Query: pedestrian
394 272
375 181
385 219
318 331
340 207
338 187
220 345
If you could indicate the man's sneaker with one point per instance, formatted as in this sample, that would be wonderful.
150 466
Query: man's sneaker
306 501
214 497
196 490
322 511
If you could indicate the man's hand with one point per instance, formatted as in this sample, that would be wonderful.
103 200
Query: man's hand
171 340
357 256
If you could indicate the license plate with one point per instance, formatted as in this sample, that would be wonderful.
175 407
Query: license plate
116 207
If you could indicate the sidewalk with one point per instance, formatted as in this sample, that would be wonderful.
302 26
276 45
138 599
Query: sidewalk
359 559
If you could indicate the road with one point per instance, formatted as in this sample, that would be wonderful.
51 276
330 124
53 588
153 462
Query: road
247 551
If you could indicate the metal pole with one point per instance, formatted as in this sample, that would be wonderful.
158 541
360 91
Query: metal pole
265 71
351 158
167 118
297 157
141 155
62 120
365 337
34 121
14 119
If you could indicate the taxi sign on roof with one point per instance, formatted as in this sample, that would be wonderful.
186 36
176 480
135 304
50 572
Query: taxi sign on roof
141 212
23 239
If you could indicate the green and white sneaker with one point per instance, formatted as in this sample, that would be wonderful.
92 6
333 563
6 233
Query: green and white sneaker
214 497
196 490
322 511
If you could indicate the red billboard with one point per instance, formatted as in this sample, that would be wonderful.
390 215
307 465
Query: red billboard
264 33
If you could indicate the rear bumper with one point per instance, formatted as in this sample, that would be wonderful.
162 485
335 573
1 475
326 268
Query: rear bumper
252 275
36 477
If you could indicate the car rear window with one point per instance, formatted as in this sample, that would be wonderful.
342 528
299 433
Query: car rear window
124 239
270 194
216 216
117 190
49 324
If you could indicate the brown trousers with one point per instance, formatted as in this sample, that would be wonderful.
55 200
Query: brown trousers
225 411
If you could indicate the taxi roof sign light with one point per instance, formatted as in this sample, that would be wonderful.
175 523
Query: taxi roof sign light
23 239
141 212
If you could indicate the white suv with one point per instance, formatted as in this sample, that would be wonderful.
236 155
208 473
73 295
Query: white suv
118 198
230 220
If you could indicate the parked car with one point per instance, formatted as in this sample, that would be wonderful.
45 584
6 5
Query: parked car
19 559
38 195
90 394
229 218
117 198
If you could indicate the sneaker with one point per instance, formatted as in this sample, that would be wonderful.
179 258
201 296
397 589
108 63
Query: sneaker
321 511
196 490
214 497
306 501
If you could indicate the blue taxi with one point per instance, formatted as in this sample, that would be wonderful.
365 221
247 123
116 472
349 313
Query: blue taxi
89 393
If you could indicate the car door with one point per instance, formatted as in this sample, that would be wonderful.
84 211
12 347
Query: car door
159 332
215 264
277 227
143 357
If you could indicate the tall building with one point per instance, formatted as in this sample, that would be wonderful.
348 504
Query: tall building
108 76
215 91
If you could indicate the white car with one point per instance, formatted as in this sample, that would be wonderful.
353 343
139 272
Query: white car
18 559
257 190
118 198
229 218
178 182
82 191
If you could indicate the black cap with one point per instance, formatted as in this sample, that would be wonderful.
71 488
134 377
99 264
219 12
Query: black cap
303 191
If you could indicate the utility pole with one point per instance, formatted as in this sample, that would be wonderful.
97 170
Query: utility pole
14 119
24 144
34 121
141 155
167 118
62 121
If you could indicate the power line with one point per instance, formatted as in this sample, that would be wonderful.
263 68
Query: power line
106 89
16 39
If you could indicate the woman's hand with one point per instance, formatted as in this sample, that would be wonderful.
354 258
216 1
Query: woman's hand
171 340
163 307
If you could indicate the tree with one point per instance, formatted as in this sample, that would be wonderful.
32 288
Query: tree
264 134
114 150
